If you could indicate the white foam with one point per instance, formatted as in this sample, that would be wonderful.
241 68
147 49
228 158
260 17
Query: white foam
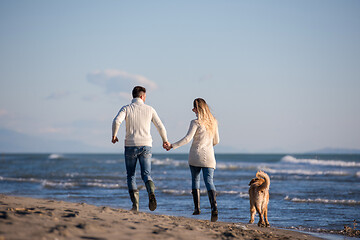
291 159
321 200
229 166
72 174
169 161
47 183
358 174
306 172
111 161
20 179
176 192
228 192
244 195
55 156
104 185
237 166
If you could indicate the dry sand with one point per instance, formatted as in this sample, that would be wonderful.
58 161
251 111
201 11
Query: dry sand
29 218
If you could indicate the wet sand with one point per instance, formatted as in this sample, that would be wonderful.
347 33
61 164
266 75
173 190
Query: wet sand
29 218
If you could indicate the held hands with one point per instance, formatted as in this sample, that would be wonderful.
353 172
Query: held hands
167 146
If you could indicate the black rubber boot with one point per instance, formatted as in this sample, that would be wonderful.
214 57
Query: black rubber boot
214 210
134 196
196 197
150 187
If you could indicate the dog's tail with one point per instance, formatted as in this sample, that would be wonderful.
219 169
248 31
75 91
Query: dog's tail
266 184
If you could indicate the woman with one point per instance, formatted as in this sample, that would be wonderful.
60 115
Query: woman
204 131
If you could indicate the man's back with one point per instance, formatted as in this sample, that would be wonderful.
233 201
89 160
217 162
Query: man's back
138 117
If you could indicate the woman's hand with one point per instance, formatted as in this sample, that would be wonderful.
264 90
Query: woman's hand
167 146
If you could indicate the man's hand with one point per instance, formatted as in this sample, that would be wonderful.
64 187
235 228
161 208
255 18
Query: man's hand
167 146
114 139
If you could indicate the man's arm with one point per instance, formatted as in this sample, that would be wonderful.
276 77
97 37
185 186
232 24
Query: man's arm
119 118
160 127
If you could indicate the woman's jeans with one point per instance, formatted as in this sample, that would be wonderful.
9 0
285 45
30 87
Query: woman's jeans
208 174
132 154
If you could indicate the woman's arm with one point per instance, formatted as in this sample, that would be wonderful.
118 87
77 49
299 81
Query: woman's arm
216 139
190 134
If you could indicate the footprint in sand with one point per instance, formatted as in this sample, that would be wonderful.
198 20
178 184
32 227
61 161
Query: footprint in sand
107 210
23 211
92 238
70 213
160 229
4 215
81 225
60 229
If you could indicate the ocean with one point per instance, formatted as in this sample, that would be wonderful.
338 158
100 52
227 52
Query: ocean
310 192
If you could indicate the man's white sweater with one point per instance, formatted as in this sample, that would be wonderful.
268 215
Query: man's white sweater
138 117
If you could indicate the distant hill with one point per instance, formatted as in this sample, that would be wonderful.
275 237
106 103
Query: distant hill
336 151
14 142
185 149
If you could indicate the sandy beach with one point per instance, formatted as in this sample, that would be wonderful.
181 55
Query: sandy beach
29 218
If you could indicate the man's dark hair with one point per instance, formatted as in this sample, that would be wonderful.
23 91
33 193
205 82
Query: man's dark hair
138 91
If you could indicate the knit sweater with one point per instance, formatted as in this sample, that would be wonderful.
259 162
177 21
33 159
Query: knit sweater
202 150
138 117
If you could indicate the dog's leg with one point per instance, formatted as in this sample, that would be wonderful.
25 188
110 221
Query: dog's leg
252 212
267 224
261 216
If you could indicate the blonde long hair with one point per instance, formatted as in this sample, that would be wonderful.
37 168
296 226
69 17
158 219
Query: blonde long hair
204 115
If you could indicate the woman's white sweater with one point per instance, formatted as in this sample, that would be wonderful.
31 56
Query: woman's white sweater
202 148
138 117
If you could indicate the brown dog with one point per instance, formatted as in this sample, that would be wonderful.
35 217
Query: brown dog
259 198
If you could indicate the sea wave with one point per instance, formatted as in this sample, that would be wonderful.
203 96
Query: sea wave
62 184
291 159
51 184
111 161
325 201
20 179
305 172
219 165
55 156
203 192
244 195
240 166
74 174
176 192
104 185
227 192
169 162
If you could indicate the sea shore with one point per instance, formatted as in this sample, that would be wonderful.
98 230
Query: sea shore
30 218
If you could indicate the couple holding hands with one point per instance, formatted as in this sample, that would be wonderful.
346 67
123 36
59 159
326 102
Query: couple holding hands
203 131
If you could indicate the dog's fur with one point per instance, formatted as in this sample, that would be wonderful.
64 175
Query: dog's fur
259 198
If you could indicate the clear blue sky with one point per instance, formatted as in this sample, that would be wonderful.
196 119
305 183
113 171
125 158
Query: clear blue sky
280 76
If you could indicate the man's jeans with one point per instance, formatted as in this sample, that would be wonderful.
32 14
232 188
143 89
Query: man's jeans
208 174
132 154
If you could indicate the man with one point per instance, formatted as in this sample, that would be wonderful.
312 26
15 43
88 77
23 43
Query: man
138 143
